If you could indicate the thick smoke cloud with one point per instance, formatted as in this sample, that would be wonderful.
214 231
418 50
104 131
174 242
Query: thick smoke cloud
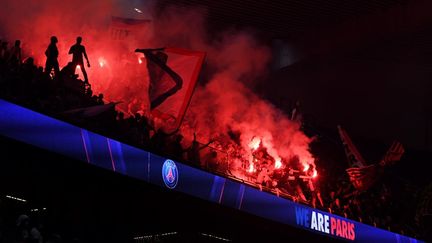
236 60
223 103
34 22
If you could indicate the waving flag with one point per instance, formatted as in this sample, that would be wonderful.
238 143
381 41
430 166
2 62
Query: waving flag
354 157
363 176
172 76
394 154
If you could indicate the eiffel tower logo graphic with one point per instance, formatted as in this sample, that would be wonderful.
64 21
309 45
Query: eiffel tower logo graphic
170 175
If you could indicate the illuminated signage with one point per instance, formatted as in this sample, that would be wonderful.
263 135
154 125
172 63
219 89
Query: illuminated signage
324 223
170 174
80 144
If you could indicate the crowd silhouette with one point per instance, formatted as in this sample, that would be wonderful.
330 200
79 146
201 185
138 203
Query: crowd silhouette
59 93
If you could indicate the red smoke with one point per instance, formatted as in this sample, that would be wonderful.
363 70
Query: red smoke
34 22
225 103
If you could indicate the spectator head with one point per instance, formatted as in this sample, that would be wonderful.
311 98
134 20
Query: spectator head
79 40
29 61
137 116
17 43
179 138
213 154
54 40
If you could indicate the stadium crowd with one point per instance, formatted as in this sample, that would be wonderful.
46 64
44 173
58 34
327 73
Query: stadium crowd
62 95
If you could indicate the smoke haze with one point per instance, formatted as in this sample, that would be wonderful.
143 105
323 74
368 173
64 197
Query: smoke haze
223 103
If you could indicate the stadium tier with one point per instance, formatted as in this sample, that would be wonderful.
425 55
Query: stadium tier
39 130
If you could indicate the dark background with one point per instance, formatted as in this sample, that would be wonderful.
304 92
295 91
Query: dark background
93 205
365 65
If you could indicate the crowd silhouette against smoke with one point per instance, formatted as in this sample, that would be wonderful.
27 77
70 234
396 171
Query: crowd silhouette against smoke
236 60
227 129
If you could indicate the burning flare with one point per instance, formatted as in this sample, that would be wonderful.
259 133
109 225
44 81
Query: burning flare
255 143
251 168
278 163
102 62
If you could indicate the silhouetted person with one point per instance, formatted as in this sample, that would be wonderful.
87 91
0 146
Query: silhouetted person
193 152
68 71
175 148
15 54
28 68
4 50
52 54
77 52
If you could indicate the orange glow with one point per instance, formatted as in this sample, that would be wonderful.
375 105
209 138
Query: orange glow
244 123
102 62
278 163
79 72
251 168
255 143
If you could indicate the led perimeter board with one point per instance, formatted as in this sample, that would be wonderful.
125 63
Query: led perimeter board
60 137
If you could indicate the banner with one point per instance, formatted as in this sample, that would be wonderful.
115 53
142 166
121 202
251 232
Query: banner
30 127
393 155
124 28
171 79
354 157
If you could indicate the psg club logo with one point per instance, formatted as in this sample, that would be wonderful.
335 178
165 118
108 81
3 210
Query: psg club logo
170 174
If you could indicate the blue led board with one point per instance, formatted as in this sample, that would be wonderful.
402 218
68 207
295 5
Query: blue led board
45 132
